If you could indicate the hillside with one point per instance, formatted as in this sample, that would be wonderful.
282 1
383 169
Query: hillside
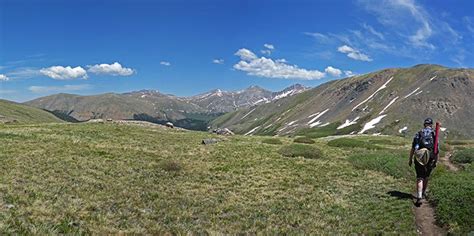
126 179
150 105
391 101
11 112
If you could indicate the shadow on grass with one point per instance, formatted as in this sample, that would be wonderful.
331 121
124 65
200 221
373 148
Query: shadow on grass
400 195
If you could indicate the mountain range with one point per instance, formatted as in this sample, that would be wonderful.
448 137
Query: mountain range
192 112
390 101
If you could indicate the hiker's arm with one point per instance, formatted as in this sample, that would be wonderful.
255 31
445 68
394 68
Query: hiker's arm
412 151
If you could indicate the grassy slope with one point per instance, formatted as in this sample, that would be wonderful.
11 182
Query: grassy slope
96 178
24 114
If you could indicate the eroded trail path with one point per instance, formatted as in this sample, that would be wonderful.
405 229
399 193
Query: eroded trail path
447 162
425 220
425 215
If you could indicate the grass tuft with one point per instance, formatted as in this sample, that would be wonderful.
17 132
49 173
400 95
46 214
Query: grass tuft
465 156
304 140
272 141
301 150
171 166
354 143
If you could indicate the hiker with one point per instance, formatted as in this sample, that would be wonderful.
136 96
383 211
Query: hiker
425 158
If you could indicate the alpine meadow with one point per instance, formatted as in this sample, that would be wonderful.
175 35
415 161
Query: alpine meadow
236 117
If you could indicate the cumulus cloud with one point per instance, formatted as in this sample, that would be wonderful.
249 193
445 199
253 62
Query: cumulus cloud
114 69
59 89
218 61
349 73
268 68
333 71
354 53
64 73
246 54
4 77
165 63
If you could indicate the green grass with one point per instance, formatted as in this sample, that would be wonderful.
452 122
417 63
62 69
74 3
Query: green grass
388 162
11 112
319 132
272 141
301 150
304 140
354 143
465 156
451 192
108 178
453 195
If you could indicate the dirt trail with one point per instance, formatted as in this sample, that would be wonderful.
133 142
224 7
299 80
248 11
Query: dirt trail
425 220
425 215
447 162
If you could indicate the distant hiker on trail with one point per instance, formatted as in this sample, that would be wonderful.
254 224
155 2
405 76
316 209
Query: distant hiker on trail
425 149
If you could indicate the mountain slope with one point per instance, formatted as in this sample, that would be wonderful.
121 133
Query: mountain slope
391 101
189 112
11 112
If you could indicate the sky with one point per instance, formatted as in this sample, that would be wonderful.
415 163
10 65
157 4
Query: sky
190 47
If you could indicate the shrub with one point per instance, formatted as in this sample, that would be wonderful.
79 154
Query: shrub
304 140
460 142
318 132
391 163
464 156
453 195
300 150
272 141
171 166
353 143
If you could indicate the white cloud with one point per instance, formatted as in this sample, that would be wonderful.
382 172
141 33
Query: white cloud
373 31
266 52
268 49
268 68
114 69
269 46
246 54
4 77
349 73
318 36
218 61
353 53
333 71
409 19
165 63
59 89
469 23
64 73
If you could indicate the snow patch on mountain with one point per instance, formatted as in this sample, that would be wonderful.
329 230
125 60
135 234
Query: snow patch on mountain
402 129
315 124
414 91
317 116
433 77
390 103
252 130
371 96
248 113
371 124
348 123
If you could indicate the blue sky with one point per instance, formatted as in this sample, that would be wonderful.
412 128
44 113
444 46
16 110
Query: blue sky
189 47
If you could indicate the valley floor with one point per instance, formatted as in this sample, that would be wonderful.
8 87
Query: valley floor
109 178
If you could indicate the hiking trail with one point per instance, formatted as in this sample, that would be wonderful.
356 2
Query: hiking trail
425 215
447 161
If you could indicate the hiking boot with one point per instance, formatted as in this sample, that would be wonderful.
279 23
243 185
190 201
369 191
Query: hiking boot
418 202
